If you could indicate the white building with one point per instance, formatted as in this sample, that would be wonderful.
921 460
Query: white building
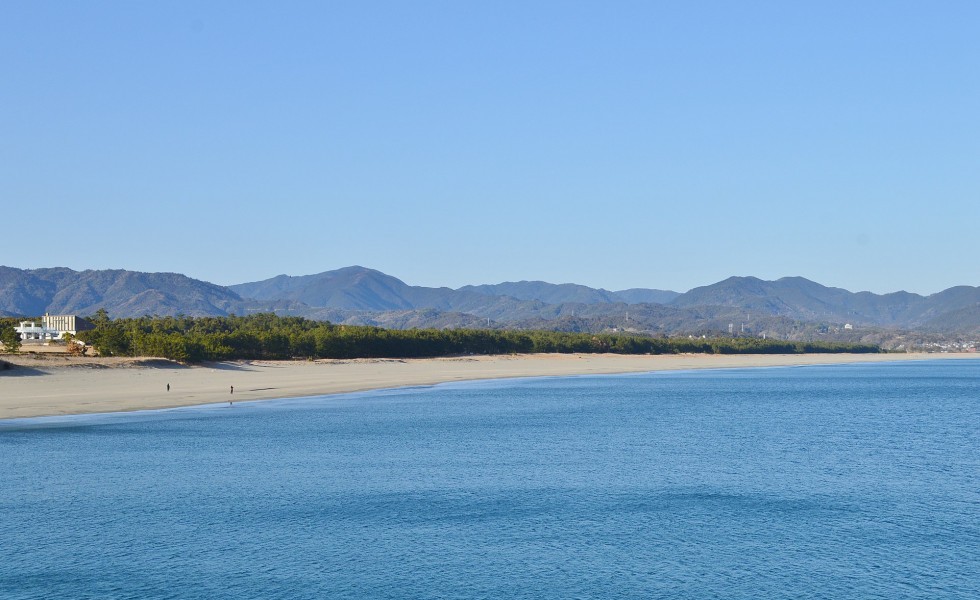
52 327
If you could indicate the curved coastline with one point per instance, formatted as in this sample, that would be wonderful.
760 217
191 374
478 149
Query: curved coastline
59 386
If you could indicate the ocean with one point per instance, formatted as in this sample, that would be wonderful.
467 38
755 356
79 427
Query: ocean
852 481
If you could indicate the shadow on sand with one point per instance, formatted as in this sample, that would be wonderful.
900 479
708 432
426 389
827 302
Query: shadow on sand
11 370
157 363
227 366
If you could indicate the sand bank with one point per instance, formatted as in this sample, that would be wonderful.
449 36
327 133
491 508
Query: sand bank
60 385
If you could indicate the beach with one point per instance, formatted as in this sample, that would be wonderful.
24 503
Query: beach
60 385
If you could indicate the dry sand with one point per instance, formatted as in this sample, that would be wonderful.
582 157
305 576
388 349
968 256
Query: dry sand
56 385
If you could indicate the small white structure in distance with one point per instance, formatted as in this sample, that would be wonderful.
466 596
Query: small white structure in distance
52 327
848 326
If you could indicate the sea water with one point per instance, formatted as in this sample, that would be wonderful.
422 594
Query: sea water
857 481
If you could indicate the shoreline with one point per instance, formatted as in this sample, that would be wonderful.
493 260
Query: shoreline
60 386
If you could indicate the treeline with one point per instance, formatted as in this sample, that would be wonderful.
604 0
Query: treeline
9 339
267 336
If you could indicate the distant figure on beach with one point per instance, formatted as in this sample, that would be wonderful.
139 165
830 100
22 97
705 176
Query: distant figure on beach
231 392
168 387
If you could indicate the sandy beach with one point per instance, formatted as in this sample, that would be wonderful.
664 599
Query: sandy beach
58 385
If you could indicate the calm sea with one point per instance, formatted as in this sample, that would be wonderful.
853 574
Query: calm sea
858 481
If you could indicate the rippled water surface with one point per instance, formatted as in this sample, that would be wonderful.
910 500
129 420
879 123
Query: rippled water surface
818 482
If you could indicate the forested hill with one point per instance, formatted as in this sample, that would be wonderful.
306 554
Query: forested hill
804 300
124 293
794 298
566 293
360 288
787 307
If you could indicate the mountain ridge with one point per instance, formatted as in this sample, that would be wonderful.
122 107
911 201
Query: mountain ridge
363 295
63 290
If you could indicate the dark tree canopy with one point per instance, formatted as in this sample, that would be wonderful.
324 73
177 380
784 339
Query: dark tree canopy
267 336
8 337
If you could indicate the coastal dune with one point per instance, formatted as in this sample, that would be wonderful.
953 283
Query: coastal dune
58 385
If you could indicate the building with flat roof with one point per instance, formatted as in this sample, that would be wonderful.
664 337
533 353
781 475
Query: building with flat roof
52 327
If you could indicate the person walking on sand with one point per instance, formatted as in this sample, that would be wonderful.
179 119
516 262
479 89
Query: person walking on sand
231 392
168 387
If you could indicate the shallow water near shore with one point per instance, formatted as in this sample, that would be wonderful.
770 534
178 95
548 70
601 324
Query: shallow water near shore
813 482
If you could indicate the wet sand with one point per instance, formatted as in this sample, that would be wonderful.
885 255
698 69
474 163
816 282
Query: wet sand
57 385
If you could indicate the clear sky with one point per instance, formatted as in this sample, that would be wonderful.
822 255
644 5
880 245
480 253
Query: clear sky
613 144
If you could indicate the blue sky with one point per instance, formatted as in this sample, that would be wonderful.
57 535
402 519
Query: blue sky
613 144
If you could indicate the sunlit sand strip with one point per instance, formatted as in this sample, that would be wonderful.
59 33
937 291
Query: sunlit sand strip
57 386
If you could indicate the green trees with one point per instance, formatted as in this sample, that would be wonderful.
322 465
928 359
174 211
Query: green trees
267 336
108 337
9 338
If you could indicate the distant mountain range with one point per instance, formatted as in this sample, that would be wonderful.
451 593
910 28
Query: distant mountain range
122 293
362 289
551 293
788 307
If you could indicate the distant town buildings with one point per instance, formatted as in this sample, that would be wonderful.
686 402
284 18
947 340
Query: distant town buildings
52 327
952 346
